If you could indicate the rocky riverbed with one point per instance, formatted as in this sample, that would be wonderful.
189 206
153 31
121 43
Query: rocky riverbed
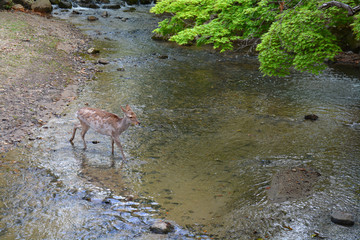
40 67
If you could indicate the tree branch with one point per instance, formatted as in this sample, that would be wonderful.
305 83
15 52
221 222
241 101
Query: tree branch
351 10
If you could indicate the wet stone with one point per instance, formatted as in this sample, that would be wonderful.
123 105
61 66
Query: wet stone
112 6
111 201
76 12
92 18
93 51
64 4
311 117
105 14
161 227
103 61
342 218
163 57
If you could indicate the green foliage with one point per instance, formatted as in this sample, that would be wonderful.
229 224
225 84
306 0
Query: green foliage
294 33
8 5
218 22
356 27
299 39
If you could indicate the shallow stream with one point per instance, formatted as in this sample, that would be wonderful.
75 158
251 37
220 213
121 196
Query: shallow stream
213 133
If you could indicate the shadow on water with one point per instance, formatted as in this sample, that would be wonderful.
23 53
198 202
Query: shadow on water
214 132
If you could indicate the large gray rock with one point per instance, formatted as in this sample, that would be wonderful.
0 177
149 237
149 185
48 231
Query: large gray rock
42 6
342 218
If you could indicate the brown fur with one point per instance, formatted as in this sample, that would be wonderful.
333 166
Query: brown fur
104 123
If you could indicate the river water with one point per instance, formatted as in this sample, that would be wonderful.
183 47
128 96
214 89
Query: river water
213 133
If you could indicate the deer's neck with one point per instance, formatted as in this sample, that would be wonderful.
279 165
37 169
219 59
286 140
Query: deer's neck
124 124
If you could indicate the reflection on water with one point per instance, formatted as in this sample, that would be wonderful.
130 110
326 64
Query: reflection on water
214 131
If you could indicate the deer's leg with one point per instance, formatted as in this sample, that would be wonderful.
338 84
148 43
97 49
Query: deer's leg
74 131
84 130
117 141
112 146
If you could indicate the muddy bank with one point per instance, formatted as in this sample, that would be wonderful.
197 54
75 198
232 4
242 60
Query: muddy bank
39 59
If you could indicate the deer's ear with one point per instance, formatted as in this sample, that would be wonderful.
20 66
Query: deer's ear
123 109
127 107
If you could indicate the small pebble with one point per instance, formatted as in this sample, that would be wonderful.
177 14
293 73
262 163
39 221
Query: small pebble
92 18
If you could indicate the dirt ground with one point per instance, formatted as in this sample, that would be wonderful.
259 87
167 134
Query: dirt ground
40 70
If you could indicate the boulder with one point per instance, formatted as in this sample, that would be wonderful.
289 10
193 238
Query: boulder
342 218
65 4
42 6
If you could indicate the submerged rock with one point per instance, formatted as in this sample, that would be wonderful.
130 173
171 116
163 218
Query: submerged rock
342 218
163 57
311 117
161 227
103 61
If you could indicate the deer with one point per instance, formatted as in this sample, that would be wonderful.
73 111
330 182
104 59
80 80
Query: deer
105 123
